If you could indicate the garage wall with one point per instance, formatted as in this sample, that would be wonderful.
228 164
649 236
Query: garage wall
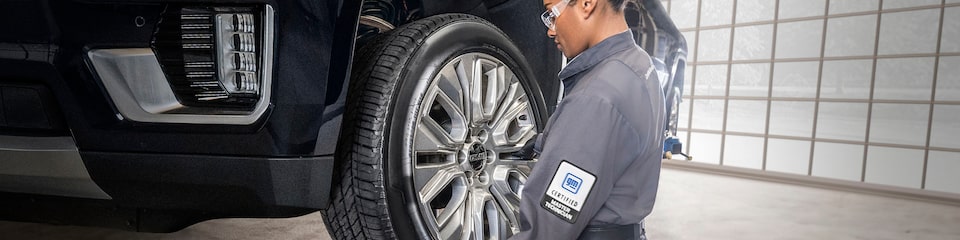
853 90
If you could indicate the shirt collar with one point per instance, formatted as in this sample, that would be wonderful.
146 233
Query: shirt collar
593 55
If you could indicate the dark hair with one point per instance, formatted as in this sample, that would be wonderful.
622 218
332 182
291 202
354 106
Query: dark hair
617 5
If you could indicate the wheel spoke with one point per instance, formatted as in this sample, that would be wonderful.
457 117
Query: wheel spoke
466 75
496 80
474 221
450 97
514 94
455 113
522 165
443 193
450 83
507 183
431 137
449 225
497 226
432 179
476 93
508 128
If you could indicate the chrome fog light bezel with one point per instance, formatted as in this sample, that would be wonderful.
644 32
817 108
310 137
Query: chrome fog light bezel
141 91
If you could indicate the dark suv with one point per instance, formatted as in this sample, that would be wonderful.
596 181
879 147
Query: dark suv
398 118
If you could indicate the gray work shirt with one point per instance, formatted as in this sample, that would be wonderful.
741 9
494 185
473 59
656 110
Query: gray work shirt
610 127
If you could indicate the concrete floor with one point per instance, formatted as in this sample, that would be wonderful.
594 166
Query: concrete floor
694 205
690 205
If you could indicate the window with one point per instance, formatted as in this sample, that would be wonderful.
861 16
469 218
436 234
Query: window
846 79
795 79
850 6
900 34
838 89
904 79
791 118
894 4
950 41
716 12
788 156
948 79
755 10
753 42
750 80
711 80
799 39
748 116
684 13
942 171
801 8
842 121
836 160
851 36
745 152
894 166
708 114
714 45
706 146
946 126
899 123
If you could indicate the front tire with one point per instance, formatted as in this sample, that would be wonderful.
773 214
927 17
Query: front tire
436 107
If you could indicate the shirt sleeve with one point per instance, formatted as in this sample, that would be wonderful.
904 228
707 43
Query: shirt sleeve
590 133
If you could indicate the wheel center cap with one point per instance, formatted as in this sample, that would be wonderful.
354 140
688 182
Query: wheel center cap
477 156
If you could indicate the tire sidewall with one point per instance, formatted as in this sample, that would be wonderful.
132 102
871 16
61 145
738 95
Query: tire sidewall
451 40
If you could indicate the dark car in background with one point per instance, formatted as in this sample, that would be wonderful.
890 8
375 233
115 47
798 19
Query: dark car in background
396 118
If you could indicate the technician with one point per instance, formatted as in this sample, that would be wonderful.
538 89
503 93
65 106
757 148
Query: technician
599 155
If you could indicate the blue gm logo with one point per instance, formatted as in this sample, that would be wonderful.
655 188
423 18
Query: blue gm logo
572 183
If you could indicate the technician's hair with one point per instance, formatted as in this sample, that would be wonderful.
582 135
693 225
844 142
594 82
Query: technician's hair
617 5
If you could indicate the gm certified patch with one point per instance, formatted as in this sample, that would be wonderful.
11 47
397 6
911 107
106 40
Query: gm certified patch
568 191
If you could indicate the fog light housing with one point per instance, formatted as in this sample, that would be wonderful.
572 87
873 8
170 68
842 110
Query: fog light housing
216 57
237 53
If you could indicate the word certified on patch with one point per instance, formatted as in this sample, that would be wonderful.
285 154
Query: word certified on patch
568 191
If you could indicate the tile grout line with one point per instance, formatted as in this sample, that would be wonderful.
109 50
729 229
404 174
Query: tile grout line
726 93
873 82
816 103
933 98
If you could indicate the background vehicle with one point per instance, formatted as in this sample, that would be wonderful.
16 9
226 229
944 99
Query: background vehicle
397 117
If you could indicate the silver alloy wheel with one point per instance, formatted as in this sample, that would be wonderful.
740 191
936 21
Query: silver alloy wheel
473 115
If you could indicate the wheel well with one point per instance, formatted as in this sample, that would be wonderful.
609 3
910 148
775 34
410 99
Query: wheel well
507 15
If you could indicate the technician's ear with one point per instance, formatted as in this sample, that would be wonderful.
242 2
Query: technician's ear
587 7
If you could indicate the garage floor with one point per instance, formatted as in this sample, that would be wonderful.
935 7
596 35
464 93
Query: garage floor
691 205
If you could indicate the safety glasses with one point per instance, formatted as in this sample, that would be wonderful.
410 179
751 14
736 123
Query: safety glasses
549 17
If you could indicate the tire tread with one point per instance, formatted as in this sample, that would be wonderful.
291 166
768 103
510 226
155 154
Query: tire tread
358 206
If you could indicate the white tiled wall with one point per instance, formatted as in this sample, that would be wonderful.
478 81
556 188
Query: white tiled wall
799 39
801 8
948 79
788 156
909 32
946 127
890 118
706 145
744 152
851 36
894 166
942 171
838 161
